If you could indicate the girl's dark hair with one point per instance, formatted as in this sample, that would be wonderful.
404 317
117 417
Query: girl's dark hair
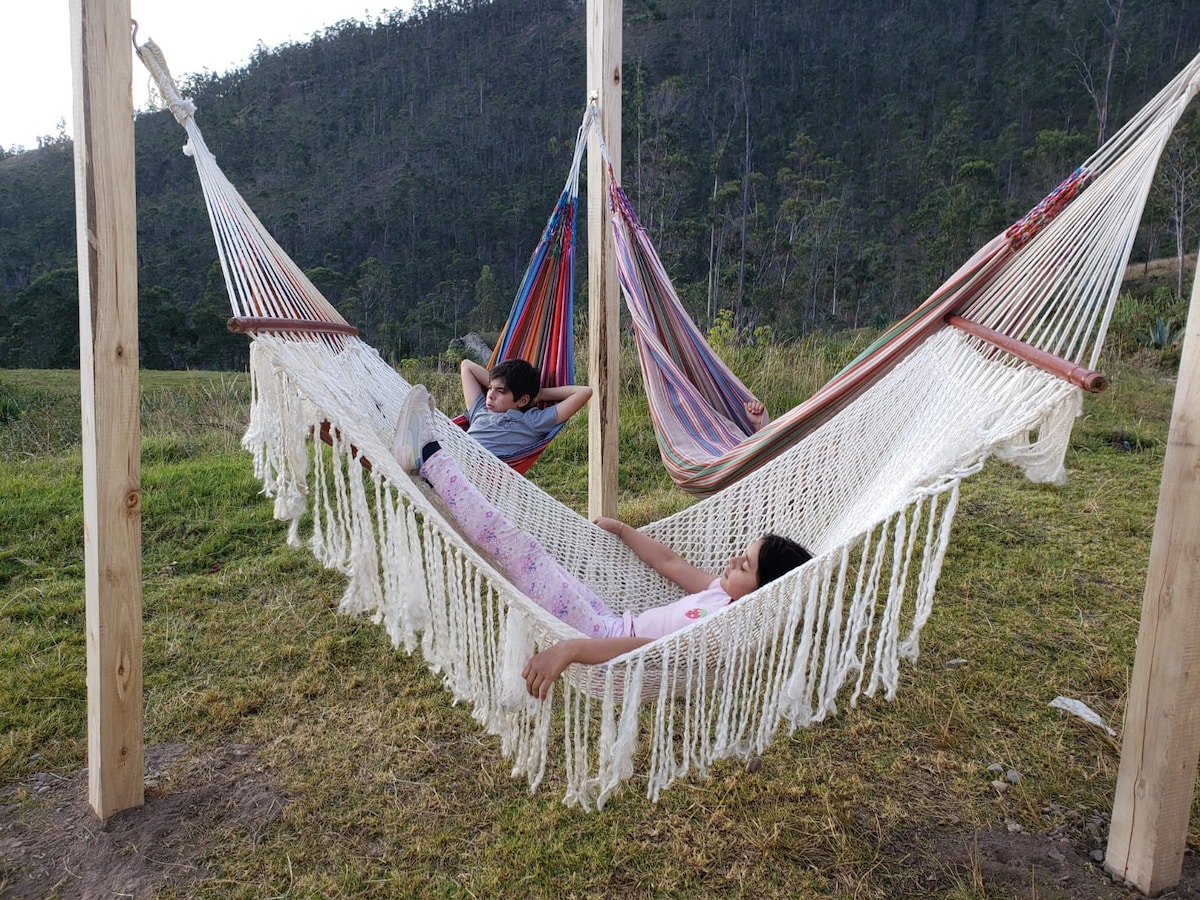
520 377
777 556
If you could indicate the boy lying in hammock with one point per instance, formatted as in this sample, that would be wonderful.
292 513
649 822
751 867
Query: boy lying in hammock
502 405
543 580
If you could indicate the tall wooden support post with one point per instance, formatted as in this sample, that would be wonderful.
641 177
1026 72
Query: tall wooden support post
1161 742
604 290
106 229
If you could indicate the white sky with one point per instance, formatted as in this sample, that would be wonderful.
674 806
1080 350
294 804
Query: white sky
216 35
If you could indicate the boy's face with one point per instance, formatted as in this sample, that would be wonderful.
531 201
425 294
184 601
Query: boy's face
500 399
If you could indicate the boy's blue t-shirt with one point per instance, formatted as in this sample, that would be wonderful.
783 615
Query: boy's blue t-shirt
510 433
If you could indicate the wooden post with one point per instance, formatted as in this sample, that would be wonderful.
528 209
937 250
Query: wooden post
1161 743
604 290
106 235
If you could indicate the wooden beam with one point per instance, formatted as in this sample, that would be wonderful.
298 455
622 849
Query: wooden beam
253 325
1161 741
106 235
1078 375
604 290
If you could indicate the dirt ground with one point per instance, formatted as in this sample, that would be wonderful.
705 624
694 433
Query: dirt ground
52 845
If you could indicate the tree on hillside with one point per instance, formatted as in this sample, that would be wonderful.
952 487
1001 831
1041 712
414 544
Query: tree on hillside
806 246
331 283
215 347
1096 57
489 313
164 337
1177 188
9 344
45 322
961 188
747 175
369 301
426 330
1055 154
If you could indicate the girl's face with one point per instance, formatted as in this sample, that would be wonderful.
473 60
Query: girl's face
741 574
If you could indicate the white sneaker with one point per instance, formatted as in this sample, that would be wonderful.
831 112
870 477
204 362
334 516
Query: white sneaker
412 430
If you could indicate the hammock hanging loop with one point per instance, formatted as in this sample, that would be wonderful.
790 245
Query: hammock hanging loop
182 108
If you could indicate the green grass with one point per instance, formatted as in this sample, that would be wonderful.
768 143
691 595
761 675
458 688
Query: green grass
394 791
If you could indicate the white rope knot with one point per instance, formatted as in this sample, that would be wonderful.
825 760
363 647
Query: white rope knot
183 109
152 57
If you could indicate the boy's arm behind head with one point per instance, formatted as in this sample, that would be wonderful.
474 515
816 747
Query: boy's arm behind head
577 396
475 380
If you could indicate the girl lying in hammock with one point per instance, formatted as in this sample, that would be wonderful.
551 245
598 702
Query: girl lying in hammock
543 580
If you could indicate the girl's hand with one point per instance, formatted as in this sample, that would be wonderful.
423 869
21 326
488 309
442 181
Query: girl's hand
542 668
612 526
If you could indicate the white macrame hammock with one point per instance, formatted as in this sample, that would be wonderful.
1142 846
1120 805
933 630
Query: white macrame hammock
872 492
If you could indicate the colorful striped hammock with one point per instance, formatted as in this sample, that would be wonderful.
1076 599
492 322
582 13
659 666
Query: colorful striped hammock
697 405
539 328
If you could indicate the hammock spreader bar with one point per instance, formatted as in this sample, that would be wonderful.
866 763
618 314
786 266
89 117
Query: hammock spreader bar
1080 376
254 325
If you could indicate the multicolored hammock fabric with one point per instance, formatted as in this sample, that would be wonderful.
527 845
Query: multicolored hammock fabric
540 328
697 404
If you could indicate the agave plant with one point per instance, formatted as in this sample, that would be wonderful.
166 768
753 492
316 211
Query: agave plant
1162 335
10 409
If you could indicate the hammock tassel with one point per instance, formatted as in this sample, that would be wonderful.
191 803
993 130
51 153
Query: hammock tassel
1040 456
275 442
515 651
618 736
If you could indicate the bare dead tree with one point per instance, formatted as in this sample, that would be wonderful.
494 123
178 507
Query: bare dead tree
1099 88
741 281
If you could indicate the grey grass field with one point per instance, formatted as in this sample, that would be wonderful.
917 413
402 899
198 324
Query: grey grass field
391 790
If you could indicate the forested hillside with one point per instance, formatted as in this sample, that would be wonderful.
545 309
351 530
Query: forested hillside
805 164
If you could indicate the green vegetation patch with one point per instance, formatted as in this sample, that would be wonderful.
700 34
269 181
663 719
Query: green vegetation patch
389 789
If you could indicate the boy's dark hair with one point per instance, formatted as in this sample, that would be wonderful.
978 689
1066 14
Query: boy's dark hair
777 556
523 379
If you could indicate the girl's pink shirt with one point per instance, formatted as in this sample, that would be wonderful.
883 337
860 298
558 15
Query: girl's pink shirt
654 623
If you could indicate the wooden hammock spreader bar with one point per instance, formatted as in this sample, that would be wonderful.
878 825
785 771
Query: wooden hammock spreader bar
328 433
1093 382
250 325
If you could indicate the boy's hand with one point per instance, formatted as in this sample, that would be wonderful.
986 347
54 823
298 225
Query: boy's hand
757 413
